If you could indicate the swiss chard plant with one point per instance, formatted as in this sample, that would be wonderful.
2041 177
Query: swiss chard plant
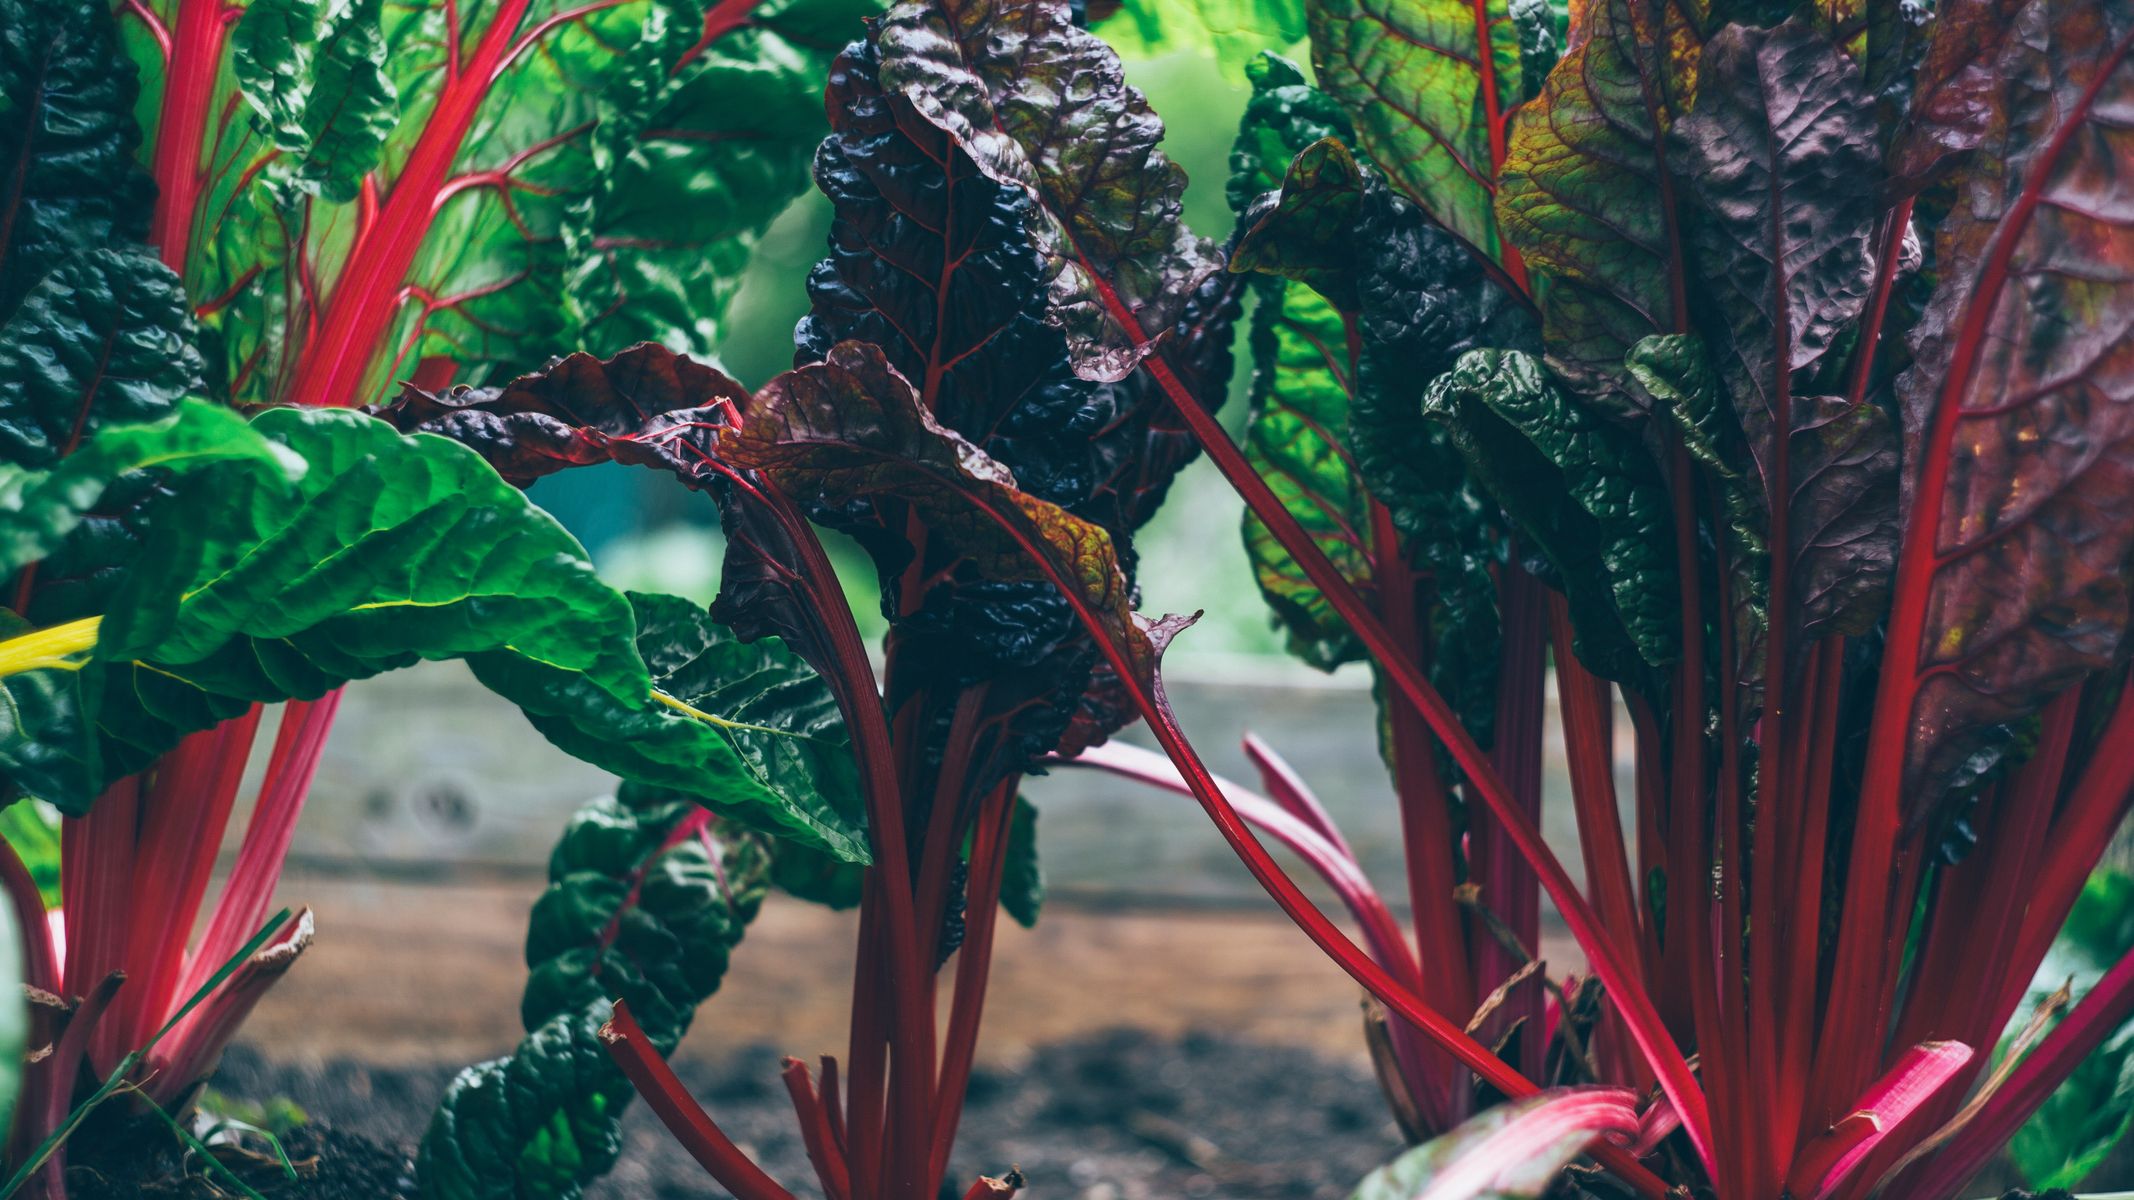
325 198
966 408
1767 369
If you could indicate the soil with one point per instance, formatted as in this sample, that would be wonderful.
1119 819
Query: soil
1123 1115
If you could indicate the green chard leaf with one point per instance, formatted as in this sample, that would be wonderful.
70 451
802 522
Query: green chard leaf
68 137
1235 32
2092 1112
1424 80
646 902
1022 884
2019 575
1379 301
39 509
455 191
754 706
1583 491
686 180
1586 196
993 75
102 338
314 71
1296 436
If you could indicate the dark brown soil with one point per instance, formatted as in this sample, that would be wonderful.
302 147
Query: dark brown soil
144 1160
1117 1116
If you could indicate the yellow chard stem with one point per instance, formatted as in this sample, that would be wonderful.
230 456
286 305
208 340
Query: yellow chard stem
44 648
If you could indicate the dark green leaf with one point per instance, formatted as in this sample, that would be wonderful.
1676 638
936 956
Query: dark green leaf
645 903
755 708
1581 490
67 136
103 339
47 746
1284 115
1022 883
39 509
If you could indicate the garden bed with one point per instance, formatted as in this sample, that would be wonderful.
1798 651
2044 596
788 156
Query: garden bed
1118 1115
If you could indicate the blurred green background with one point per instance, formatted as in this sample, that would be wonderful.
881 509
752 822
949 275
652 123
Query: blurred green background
649 535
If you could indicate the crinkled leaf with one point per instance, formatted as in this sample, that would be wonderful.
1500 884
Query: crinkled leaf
1544 29
39 509
1398 299
1843 514
1581 490
647 406
1781 232
754 707
1955 89
931 262
1284 114
579 175
996 75
685 182
103 338
1585 195
1514 1151
1417 77
644 903
314 71
47 744
67 136
2019 411
637 908
845 434
1772 161
1305 234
